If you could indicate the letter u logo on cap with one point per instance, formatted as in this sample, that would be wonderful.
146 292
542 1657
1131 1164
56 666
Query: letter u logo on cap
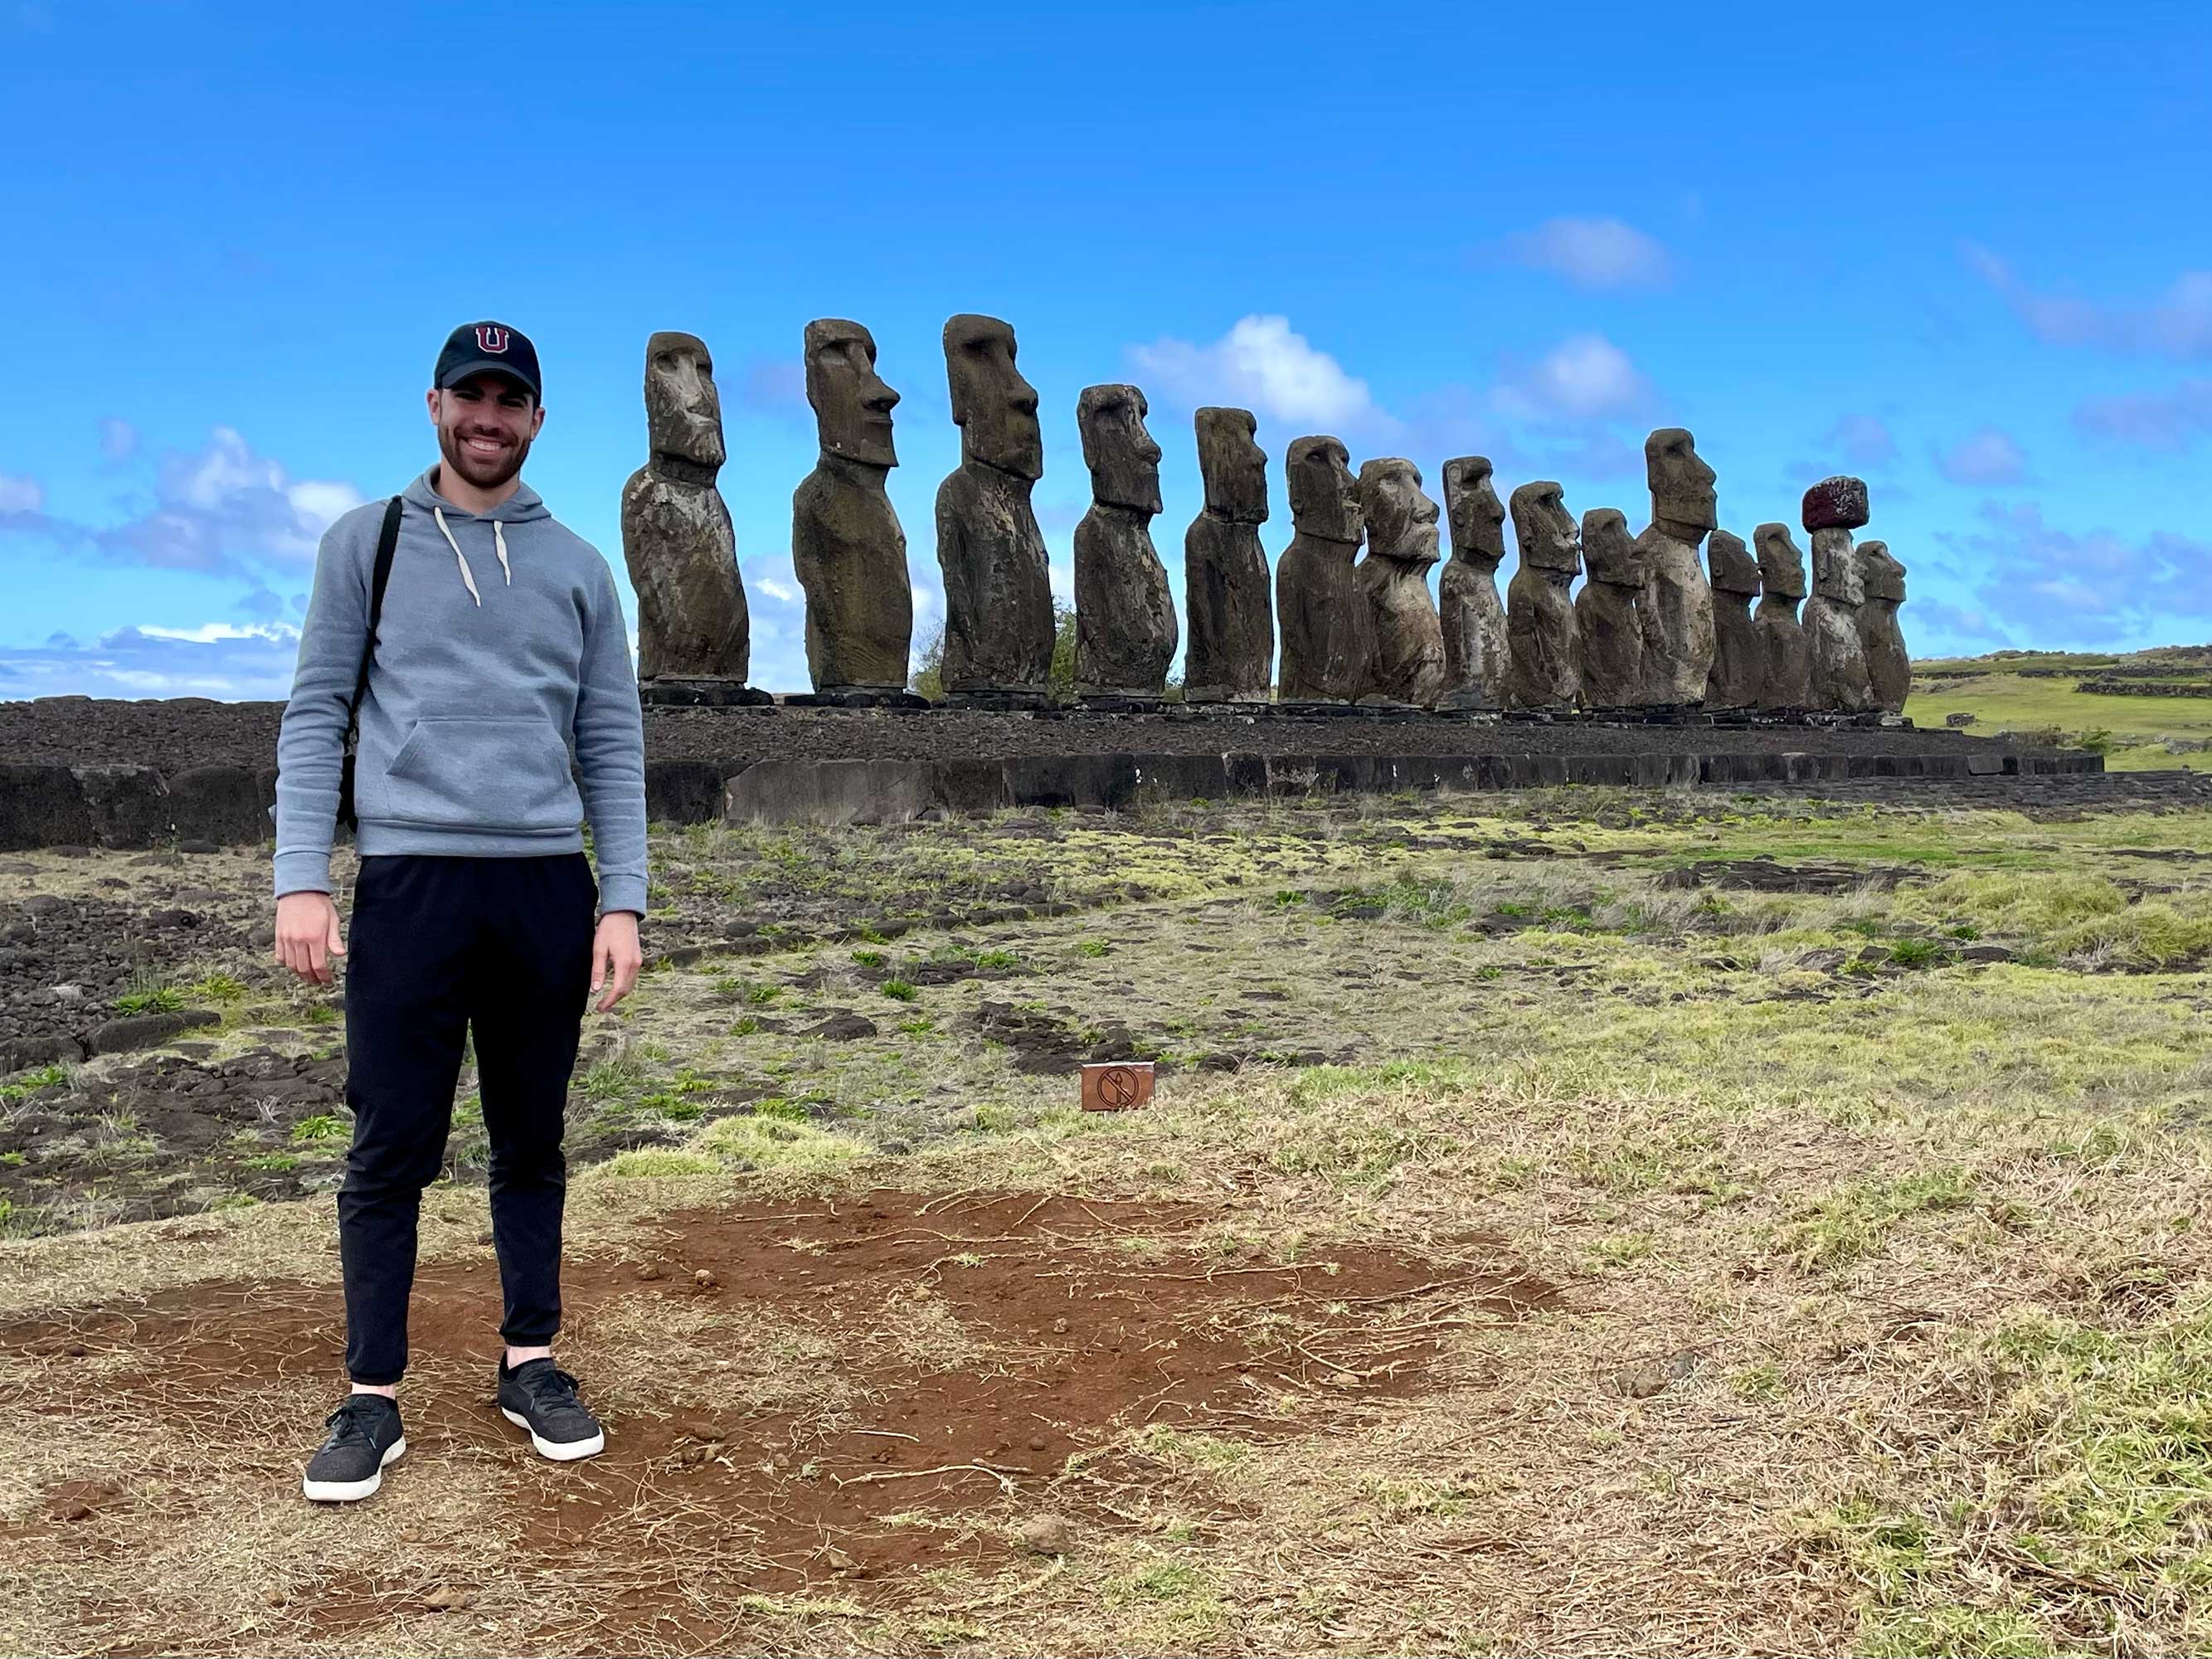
490 337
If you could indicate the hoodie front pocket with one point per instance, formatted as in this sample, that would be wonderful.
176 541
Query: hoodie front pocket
474 774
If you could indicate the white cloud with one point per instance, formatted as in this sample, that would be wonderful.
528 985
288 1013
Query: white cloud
1584 378
118 439
1591 252
1987 457
1860 440
2170 420
2178 323
216 660
1260 364
2056 587
21 493
223 510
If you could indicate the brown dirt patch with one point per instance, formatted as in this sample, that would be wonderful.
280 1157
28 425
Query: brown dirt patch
830 1395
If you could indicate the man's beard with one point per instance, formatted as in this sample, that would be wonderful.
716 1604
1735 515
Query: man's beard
483 472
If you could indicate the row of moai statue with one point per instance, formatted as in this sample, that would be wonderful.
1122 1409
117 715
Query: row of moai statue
1649 631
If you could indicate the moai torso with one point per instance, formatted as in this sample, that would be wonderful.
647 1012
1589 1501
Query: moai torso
1231 653
846 543
1785 667
692 622
1407 665
1838 682
1738 668
1473 615
1125 620
1540 618
1889 668
1608 612
1677 612
998 587
1318 603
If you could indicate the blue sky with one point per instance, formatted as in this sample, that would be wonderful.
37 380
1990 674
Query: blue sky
1964 250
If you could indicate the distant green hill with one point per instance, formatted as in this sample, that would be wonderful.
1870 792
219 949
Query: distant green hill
2152 723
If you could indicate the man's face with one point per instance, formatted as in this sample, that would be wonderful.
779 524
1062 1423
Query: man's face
485 427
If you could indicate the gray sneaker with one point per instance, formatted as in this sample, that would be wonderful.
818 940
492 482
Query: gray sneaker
539 1397
365 1438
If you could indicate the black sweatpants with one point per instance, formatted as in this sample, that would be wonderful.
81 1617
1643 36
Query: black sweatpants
440 945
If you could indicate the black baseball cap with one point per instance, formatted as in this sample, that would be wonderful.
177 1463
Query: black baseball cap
488 348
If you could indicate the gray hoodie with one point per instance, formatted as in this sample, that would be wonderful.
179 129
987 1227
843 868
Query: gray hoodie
501 650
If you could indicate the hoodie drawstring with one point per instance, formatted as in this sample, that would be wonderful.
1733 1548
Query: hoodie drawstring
468 576
499 545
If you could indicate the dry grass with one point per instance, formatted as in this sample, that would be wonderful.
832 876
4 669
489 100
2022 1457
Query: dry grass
1886 1324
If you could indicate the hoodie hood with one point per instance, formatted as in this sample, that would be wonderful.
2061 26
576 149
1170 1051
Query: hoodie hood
521 508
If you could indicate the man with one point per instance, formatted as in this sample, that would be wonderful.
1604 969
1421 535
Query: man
499 646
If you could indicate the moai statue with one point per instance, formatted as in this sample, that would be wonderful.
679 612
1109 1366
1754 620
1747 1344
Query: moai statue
1889 668
1784 667
1231 649
1408 666
1125 619
1540 619
846 543
1474 615
1838 682
1326 633
998 587
1677 611
1737 665
694 633
1608 612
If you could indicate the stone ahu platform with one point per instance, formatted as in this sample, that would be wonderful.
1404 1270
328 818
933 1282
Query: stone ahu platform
83 772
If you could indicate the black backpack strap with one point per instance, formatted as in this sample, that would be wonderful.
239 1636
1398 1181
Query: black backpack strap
387 542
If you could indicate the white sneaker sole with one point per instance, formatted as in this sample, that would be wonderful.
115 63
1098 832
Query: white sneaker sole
559 1451
348 1491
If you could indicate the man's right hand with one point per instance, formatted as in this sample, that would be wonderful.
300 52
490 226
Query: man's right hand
307 940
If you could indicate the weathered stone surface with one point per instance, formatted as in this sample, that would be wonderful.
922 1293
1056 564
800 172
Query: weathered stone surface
1889 668
1738 666
1325 632
1473 614
1231 649
1839 503
1785 665
1608 627
692 622
1540 618
847 545
1677 610
831 793
1838 682
1401 521
997 588
1125 619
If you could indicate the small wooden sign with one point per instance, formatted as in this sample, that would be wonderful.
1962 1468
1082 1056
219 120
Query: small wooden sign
1120 1085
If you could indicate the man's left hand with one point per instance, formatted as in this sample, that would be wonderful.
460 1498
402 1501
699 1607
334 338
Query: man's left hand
615 958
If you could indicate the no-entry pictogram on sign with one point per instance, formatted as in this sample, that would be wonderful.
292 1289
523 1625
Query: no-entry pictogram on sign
1117 1086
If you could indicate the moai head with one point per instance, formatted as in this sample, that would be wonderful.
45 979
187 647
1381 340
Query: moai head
1471 506
1399 518
1836 503
994 408
1545 531
1124 461
1324 496
851 405
1609 552
1682 484
682 410
1781 564
1232 464
1733 569
1882 576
